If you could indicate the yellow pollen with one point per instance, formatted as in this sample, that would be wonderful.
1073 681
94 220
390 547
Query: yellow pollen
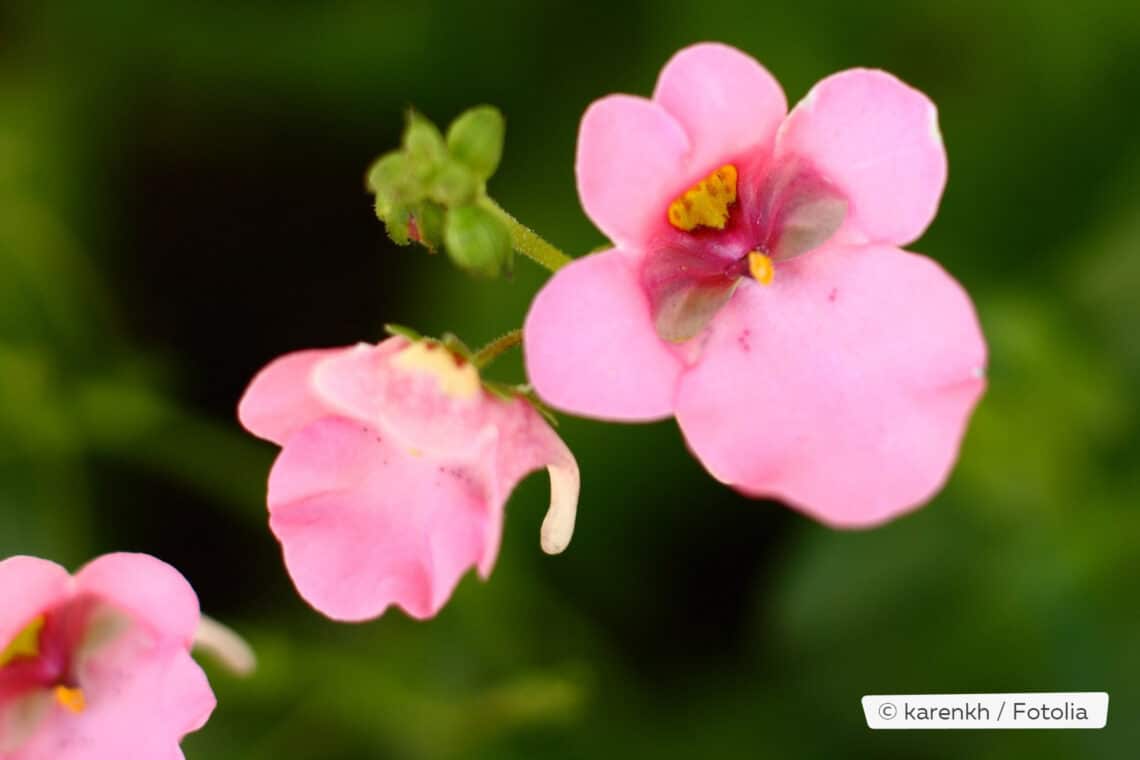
706 203
26 643
72 699
760 267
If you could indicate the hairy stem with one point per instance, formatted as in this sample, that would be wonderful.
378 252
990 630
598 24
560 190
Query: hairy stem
491 351
526 241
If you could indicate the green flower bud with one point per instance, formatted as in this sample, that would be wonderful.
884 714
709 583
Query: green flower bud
454 185
423 146
476 139
390 176
477 242
395 217
429 219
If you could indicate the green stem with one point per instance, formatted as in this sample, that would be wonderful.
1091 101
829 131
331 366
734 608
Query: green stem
491 351
526 241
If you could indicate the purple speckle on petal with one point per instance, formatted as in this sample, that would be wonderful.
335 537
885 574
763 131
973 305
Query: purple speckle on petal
743 340
831 296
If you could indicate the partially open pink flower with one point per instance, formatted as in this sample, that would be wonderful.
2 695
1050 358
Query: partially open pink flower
756 290
396 464
96 666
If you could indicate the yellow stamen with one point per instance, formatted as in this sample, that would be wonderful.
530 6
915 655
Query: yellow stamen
71 699
760 267
26 643
706 203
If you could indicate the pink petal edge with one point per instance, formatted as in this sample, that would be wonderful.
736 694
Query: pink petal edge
727 103
29 586
843 388
590 345
146 587
877 138
280 399
630 160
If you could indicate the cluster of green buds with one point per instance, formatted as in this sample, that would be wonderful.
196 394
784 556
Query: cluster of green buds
433 190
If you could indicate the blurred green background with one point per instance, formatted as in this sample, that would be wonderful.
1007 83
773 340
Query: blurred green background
181 199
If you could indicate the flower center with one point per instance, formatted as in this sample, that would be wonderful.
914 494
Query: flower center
706 203
733 226
26 647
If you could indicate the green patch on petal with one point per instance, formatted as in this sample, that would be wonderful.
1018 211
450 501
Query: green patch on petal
21 717
686 290
104 624
683 312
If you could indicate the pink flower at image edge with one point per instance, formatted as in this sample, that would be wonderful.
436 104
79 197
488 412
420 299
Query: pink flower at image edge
96 666
395 468
756 289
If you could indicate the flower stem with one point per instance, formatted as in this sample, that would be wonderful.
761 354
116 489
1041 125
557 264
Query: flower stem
491 351
526 241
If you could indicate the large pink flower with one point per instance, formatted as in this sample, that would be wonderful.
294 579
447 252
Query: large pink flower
96 666
396 464
756 290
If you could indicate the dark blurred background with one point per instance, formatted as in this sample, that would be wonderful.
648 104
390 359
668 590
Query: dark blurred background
182 198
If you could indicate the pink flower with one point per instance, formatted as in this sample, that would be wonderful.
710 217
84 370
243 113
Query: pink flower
96 666
396 464
756 290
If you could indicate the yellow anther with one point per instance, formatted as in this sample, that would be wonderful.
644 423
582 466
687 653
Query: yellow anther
706 203
760 267
71 699
26 643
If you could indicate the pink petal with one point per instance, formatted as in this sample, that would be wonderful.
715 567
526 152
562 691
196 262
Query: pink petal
185 699
630 165
280 399
29 586
365 524
146 715
147 588
877 139
727 103
591 347
369 384
843 388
